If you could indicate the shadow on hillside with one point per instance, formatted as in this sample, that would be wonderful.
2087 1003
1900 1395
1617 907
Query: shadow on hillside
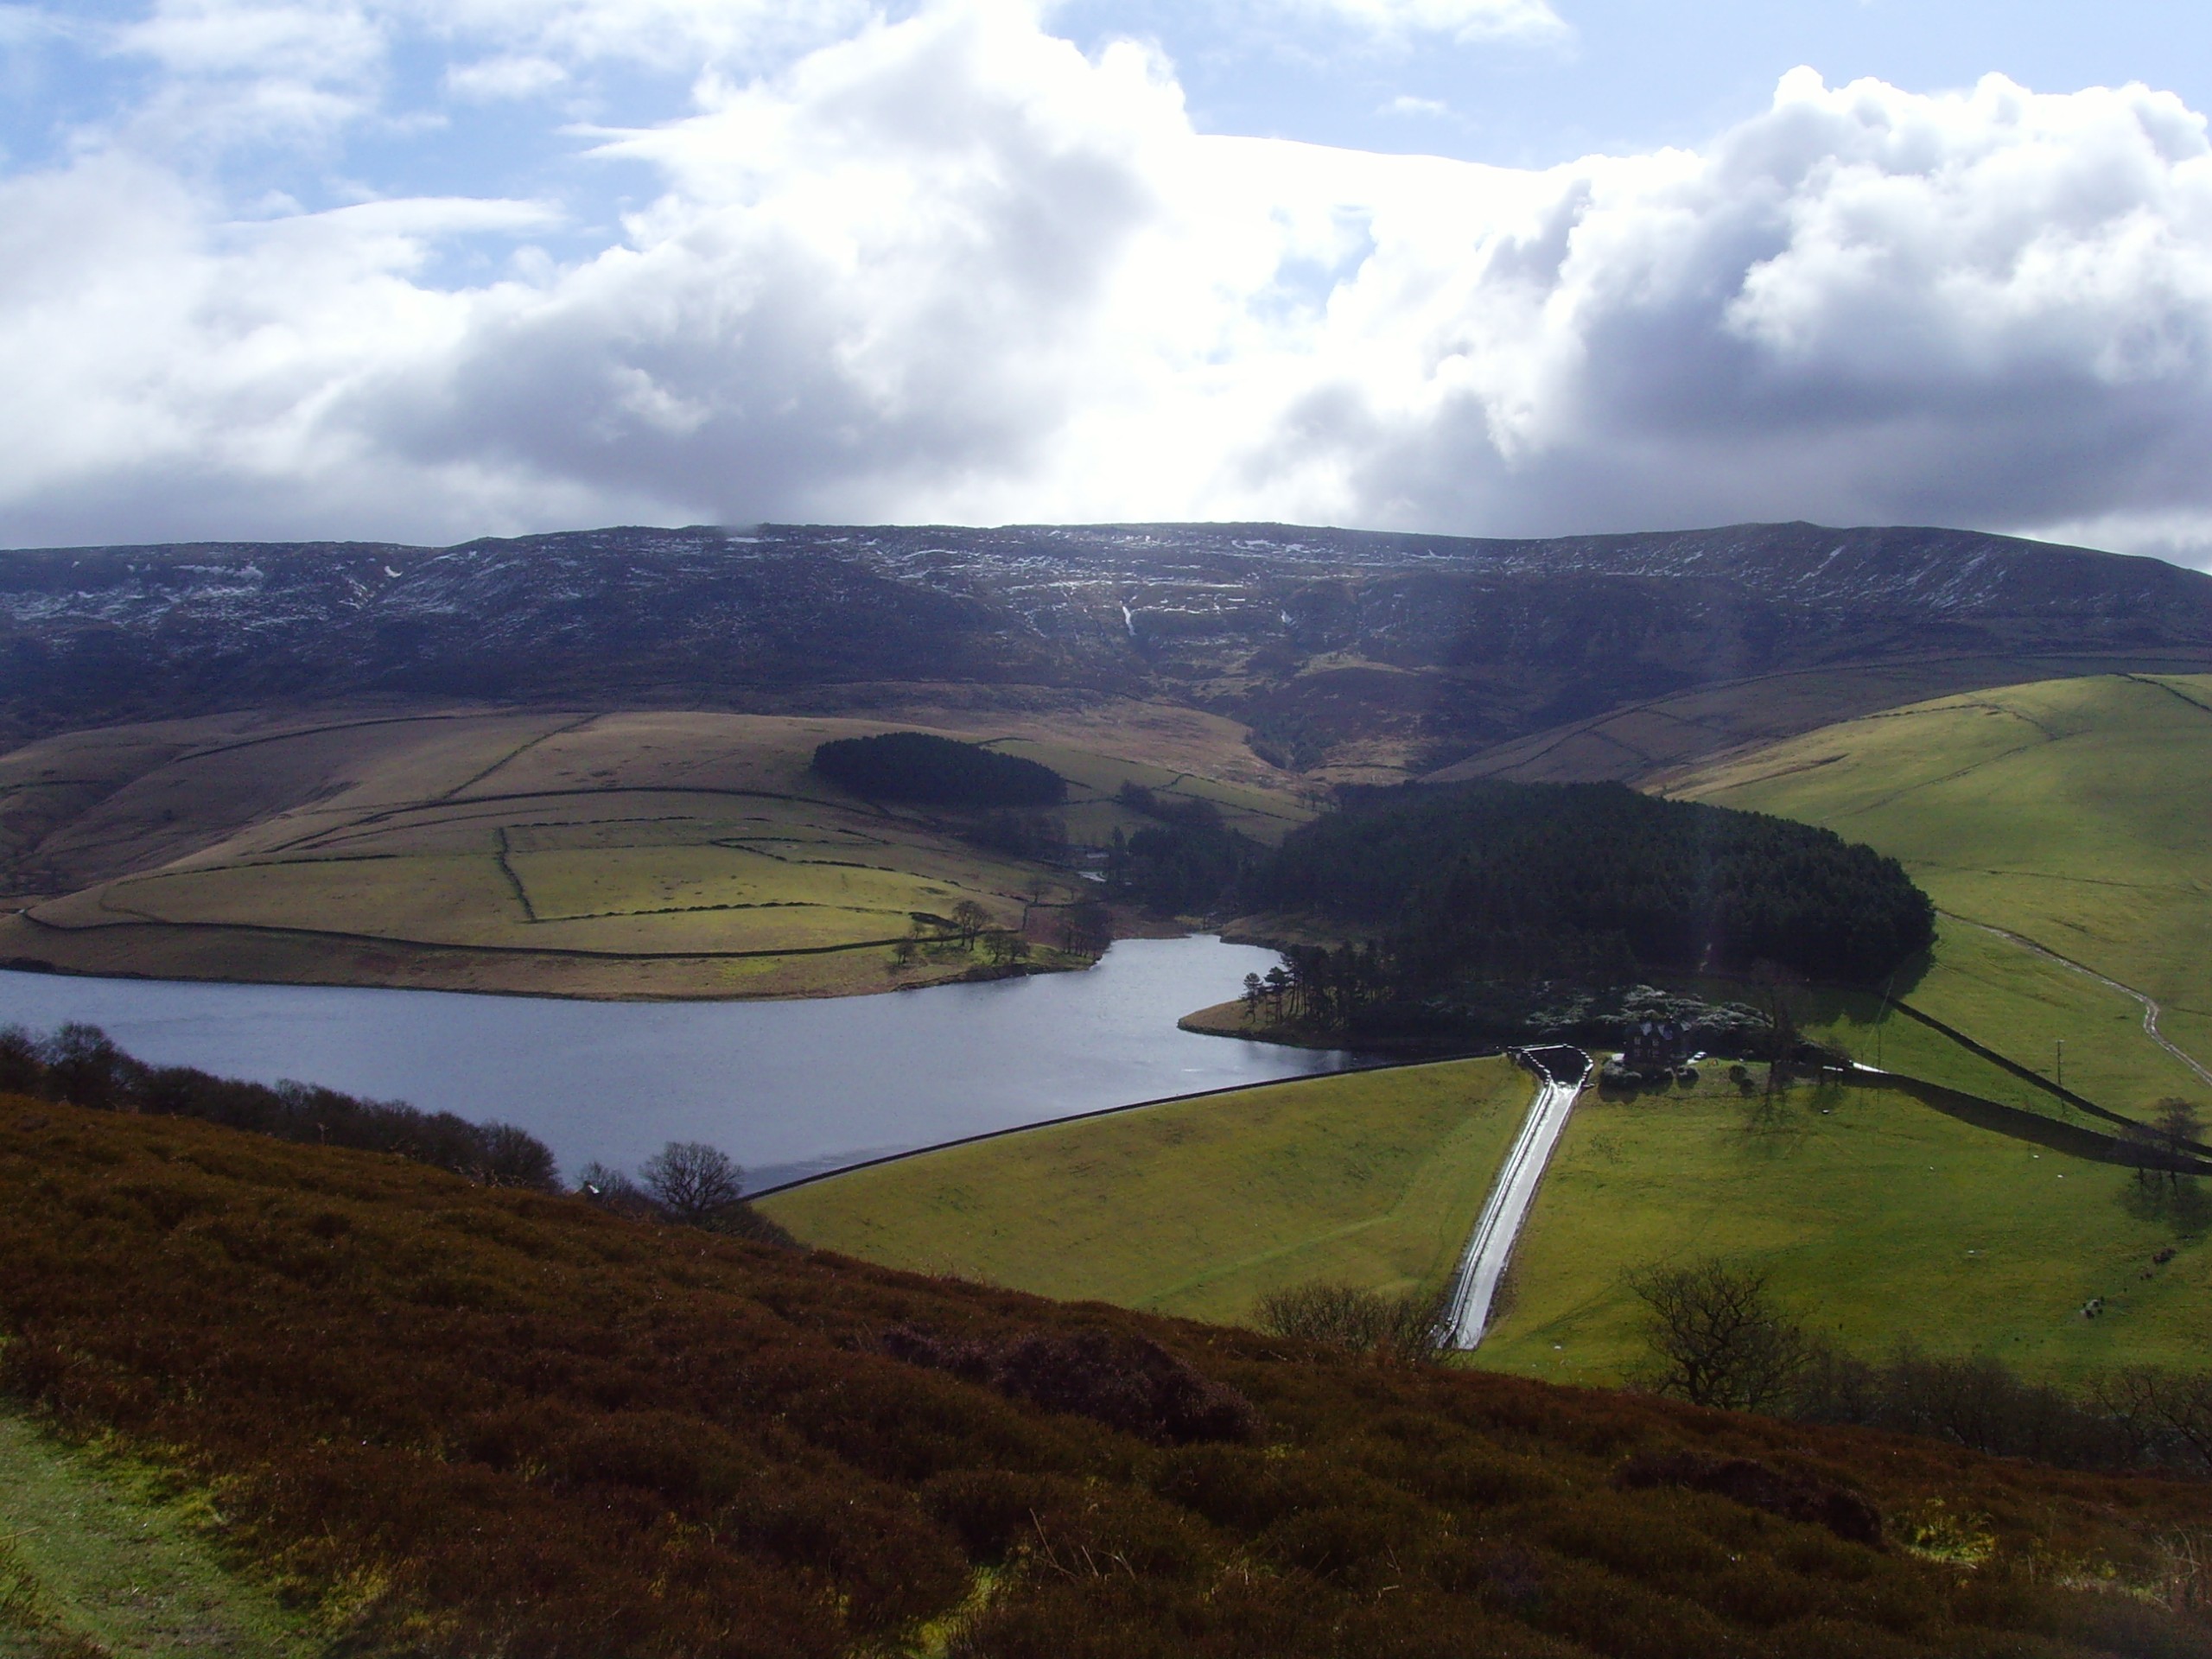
2182 1205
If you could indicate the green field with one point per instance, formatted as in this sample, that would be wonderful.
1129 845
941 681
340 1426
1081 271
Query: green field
2073 813
609 854
2077 813
1196 1207
1881 1219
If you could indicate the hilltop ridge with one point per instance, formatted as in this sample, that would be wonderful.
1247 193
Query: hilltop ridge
1346 649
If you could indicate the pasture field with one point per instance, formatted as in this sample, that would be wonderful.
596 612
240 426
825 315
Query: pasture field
1196 1207
2075 815
640 854
1881 1220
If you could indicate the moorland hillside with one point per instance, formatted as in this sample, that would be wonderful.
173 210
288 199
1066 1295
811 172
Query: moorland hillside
554 764
450 1419
1360 654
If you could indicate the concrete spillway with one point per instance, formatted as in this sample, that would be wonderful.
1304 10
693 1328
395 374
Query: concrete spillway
1466 1315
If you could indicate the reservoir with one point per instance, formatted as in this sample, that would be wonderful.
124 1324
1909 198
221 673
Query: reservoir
787 1089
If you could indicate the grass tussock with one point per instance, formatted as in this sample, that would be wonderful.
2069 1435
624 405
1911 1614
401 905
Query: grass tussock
463 1420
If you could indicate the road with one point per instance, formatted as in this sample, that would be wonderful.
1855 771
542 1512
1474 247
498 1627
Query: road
1475 1286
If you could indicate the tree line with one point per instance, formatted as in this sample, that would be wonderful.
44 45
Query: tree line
1187 862
1717 1336
687 1182
80 1066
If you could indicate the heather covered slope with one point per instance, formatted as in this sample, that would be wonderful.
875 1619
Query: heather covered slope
458 1420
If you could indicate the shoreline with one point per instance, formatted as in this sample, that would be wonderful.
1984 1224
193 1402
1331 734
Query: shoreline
203 954
1227 1020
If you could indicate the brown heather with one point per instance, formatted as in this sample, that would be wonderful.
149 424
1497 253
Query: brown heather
463 1420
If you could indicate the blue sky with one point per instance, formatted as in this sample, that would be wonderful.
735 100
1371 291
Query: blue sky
1627 75
428 268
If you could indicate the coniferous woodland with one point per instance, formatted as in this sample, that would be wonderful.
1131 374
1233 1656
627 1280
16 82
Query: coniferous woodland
1594 880
930 771
1522 888
1186 862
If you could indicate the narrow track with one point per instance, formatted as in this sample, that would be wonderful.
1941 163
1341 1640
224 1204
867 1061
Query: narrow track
1474 1288
2149 1003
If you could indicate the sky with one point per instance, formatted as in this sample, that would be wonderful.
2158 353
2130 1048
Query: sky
427 270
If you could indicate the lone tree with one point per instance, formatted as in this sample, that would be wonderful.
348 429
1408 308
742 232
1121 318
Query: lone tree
2178 1126
694 1183
1774 988
969 920
1717 1336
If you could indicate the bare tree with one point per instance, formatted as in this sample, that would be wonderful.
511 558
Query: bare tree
611 1189
514 1157
2172 1406
970 920
1717 1337
1776 989
693 1182
1087 928
1396 1328
2178 1127
83 1067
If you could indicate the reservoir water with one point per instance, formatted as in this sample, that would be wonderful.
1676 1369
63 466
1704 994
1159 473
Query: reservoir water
785 1088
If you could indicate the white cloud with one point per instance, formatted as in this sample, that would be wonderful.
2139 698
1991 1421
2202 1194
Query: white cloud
1407 103
951 268
1462 20
513 75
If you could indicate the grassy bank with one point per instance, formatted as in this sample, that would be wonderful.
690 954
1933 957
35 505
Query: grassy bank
1196 1207
2076 813
99 1556
1881 1219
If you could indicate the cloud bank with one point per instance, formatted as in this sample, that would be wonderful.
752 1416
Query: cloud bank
948 267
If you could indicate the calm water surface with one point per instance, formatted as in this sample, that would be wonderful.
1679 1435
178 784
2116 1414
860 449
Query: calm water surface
786 1088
